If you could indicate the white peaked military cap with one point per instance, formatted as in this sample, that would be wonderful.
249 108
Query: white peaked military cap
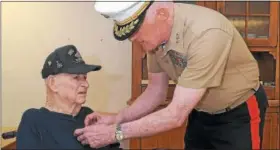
127 15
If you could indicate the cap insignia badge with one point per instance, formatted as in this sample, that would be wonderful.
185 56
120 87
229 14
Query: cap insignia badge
70 52
49 63
58 64
78 57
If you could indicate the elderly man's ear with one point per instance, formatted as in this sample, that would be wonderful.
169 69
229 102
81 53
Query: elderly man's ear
51 83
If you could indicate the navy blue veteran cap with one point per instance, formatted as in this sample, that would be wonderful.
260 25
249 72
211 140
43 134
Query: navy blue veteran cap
127 15
66 59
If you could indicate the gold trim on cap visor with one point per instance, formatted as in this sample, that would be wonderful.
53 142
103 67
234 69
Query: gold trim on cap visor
135 15
126 29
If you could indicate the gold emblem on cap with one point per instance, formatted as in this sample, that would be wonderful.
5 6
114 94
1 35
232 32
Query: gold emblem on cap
126 29
126 26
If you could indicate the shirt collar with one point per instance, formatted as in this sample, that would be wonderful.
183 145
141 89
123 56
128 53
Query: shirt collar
177 32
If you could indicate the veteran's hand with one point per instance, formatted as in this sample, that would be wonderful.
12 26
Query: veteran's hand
100 118
96 136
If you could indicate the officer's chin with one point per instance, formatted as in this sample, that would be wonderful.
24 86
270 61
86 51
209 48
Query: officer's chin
149 49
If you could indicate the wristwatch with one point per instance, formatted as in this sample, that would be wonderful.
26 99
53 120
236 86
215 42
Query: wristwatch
119 134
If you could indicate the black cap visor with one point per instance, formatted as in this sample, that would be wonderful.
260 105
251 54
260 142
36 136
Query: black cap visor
125 31
81 69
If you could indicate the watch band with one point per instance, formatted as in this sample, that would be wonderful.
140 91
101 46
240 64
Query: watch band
119 134
118 127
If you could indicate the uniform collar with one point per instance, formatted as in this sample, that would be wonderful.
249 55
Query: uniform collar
176 39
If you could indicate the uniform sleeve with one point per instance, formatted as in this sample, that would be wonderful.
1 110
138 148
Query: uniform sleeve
152 64
27 136
207 58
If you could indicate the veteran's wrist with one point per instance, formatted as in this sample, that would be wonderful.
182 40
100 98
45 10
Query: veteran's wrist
111 132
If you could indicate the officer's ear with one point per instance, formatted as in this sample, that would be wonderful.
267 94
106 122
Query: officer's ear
162 14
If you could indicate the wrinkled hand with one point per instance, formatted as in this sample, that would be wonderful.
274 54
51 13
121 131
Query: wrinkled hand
100 118
96 136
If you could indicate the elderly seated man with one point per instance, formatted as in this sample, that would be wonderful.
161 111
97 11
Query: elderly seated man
52 126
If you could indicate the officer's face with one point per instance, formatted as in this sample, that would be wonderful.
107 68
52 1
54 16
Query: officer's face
154 30
148 36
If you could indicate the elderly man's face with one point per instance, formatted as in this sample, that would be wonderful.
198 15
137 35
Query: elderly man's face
72 87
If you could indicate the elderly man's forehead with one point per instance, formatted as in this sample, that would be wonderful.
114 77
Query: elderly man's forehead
70 75
63 75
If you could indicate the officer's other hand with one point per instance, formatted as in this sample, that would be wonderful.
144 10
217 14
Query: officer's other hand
100 118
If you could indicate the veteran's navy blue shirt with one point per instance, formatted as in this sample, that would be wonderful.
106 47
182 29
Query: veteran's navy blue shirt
43 129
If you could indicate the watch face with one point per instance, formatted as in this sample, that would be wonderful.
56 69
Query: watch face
119 136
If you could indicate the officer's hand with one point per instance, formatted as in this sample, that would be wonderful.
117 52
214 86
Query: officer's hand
100 118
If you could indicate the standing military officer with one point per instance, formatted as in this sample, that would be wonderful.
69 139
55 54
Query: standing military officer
216 76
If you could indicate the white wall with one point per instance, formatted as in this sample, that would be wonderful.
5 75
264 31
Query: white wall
31 30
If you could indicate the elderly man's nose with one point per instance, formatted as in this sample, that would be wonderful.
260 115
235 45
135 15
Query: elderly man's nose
85 84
